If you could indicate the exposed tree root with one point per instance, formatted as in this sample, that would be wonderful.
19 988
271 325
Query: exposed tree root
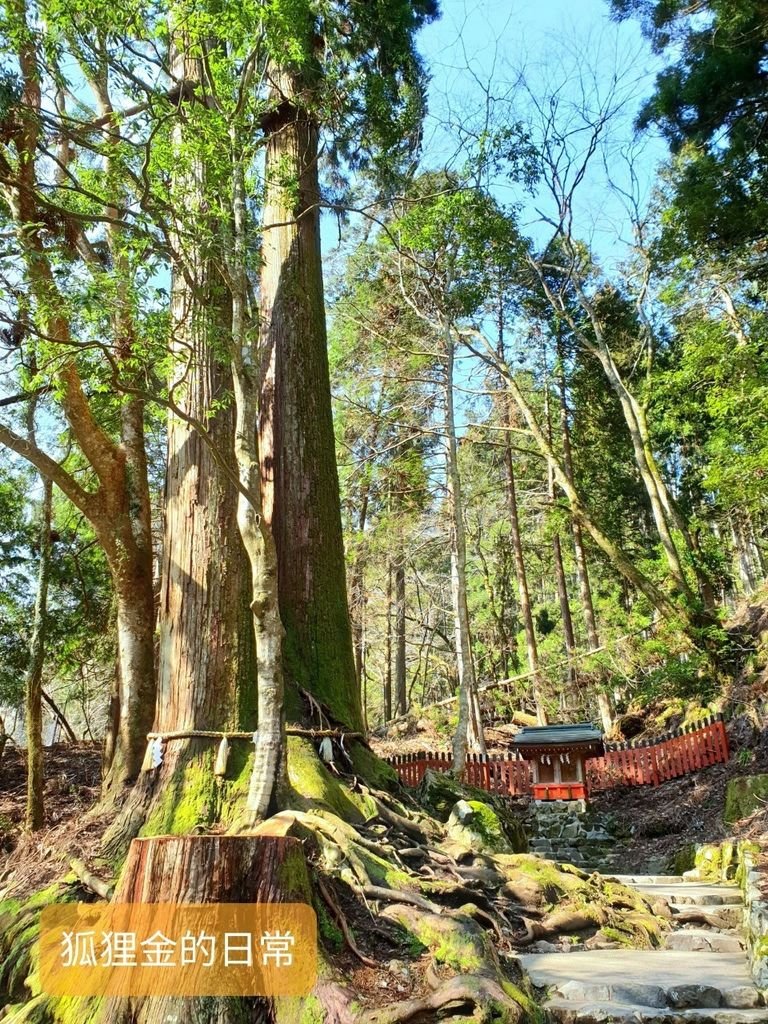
434 902
699 916
342 922
97 885
377 892
460 993
562 922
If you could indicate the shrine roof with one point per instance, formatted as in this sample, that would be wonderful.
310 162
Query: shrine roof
557 735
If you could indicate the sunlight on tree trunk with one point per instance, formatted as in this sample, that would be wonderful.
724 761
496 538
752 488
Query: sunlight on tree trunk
297 447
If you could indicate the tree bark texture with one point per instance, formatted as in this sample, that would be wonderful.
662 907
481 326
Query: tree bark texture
387 687
206 659
401 694
208 869
299 474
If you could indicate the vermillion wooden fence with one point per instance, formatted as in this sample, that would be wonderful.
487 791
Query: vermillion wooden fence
649 763
644 763
509 775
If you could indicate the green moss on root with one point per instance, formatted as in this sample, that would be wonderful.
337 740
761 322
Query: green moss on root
314 787
455 941
373 769
19 938
534 1013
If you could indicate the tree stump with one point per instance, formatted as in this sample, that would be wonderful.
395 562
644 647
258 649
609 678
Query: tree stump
214 869
209 869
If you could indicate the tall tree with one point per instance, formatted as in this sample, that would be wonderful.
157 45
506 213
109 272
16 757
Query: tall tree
710 103
35 817
51 241
321 59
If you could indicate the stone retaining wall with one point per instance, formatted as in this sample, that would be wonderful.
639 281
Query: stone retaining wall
568 830
735 861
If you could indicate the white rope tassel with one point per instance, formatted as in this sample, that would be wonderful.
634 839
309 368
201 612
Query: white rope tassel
220 768
326 750
157 752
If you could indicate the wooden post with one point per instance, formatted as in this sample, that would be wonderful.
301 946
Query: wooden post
652 750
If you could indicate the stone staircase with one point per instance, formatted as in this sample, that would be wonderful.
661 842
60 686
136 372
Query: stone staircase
700 976
565 830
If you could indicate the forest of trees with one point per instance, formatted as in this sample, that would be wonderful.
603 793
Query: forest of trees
552 450
490 450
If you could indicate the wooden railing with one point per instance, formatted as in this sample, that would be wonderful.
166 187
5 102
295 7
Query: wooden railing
645 763
648 763
509 775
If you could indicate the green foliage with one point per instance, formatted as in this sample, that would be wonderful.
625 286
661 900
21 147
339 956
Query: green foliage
710 104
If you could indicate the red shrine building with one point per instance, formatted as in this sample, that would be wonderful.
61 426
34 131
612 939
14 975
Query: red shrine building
556 754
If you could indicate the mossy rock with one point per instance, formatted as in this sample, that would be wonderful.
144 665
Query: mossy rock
476 825
715 861
743 796
683 860
439 792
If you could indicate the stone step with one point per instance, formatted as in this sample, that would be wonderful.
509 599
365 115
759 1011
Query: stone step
657 979
691 893
699 940
638 880
560 1011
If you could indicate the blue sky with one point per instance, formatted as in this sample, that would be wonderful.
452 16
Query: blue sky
551 42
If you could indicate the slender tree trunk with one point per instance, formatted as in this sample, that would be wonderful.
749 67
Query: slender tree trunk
132 558
113 723
623 563
269 771
35 817
475 732
357 586
510 487
569 639
300 479
580 557
401 695
743 555
666 516
388 649
60 716
131 571
605 708
522 583
755 547
468 729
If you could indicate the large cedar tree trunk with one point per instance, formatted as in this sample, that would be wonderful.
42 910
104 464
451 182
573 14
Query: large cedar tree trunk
206 676
299 474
